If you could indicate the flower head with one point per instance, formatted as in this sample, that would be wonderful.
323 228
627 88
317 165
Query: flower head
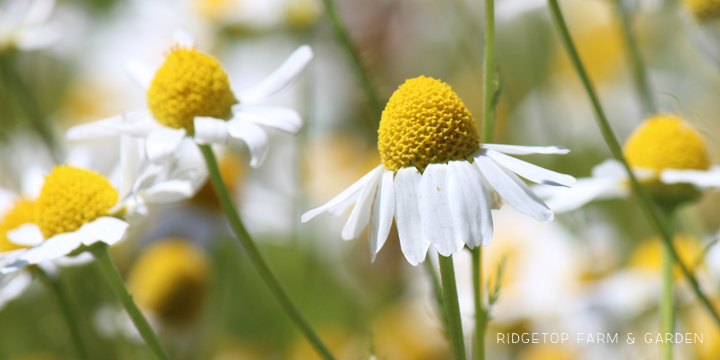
425 122
187 85
436 180
72 197
666 142
170 279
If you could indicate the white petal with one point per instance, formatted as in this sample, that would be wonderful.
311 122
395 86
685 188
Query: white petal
584 191
78 260
255 138
360 215
137 123
382 213
274 116
39 12
7 200
338 209
184 38
140 73
470 209
609 168
13 288
107 229
210 130
526 150
530 171
413 242
437 222
26 235
343 197
161 144
513 190
33 180
168 192
701 178
38 37
53 248
280 79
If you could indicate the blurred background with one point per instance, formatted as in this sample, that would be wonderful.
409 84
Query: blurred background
595 270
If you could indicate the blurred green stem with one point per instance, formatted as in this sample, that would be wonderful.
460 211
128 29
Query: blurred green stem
639 71
452 306
667 304
102 257
32 108
361 76
488 132
648 206
254 254
67 310
480 312
437 293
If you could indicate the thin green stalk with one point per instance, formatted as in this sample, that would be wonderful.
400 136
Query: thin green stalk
480 312
361 76
32 109
488 132
648 206
637 64
667 304
102 257
254 254
437 292
489 109
452 306
67 310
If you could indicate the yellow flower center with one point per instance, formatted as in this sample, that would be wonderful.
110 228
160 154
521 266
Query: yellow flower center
703 9
72 197
22 212
187 85
425 122
665 142
171 278
648 254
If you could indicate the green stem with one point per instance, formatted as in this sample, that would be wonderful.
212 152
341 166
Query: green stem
480 312
102 257
254 254
361 76
646 203
437 292
452 306
67 310
489 109
638 65
667 304
32 109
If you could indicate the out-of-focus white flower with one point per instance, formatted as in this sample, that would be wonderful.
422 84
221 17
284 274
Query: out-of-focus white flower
425 127
190 95
24 24
666 155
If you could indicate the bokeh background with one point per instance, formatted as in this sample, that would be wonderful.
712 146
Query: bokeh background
595 270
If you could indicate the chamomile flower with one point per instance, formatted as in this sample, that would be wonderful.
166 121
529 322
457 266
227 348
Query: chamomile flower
24 24
190 96
668 157
436 179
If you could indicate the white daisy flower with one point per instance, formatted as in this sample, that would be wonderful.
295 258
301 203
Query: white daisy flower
666 155
80 207
436 180
24 24
190 96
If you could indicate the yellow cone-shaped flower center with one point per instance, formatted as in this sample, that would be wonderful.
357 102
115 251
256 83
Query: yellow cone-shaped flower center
22 212
704 9
425 122
171 279
189 84
72 197
665 142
